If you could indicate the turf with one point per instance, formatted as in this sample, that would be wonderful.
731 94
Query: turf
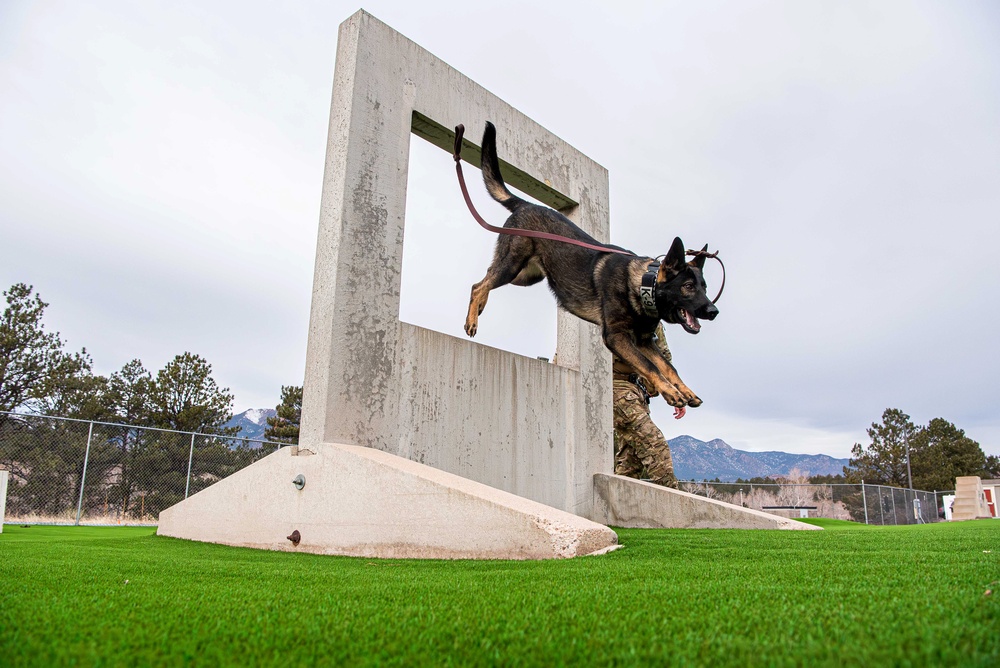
850 595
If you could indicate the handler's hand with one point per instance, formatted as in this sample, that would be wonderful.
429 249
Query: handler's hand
679 412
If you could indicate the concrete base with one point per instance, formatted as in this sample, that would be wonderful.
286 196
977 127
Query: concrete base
359 501
634 504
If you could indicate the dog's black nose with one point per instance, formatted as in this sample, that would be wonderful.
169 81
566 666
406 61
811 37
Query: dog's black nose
709 312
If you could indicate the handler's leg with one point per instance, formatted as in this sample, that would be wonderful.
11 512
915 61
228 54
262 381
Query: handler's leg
639 444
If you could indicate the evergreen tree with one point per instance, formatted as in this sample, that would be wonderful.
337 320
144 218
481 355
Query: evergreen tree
135 454
35 373
883 462
128 394
44 458
992 467
284 427
78 396
941 452
826 479
185 397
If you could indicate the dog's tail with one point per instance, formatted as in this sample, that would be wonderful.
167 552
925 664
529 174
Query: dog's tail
491 171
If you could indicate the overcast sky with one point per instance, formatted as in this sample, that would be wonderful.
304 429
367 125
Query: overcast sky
161 168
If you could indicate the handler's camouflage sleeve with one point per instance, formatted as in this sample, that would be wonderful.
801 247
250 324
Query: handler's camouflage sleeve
661 342
640 449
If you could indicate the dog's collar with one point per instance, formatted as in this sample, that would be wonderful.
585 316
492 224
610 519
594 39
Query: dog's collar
647 290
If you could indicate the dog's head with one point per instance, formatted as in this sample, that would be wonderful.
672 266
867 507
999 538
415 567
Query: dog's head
680 290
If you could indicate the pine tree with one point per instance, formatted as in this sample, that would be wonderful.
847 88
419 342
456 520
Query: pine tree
185 397
941 452
134 454
128 394
883 462
284 427
38 376
35 373
992 467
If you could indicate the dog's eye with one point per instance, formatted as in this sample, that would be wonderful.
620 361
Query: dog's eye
688 286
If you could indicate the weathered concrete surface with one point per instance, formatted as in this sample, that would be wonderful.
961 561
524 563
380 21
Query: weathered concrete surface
540 431
970 499
630 503
359 501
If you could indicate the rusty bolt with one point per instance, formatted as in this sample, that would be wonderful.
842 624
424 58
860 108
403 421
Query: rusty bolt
295 537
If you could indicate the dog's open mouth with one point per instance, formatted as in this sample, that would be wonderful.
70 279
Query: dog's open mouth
688 321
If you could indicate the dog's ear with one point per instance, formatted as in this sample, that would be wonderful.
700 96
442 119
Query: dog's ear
673 263
699 260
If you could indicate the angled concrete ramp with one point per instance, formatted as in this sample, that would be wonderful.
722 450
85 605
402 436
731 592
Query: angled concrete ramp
359 501
634 504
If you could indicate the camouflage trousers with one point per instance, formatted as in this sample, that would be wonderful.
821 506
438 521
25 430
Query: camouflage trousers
640 449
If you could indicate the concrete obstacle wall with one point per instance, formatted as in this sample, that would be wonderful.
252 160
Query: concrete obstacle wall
518 424
970 499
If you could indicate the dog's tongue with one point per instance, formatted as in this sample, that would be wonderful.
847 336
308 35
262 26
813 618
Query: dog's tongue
692 321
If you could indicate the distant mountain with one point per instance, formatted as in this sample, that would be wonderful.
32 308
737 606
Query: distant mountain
698 460
693 459
252 422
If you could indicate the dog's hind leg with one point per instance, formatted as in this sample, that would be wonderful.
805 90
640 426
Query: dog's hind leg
510 259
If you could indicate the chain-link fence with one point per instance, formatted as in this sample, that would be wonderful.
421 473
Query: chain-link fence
65 471
871 504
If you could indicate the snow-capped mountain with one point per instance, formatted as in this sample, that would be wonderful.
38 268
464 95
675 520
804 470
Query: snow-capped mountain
252 422
698 460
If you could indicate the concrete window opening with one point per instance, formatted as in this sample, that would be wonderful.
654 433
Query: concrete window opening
445 251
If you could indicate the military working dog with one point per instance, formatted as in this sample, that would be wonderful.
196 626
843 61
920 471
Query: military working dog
605 288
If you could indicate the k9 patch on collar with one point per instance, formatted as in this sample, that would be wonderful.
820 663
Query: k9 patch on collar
646 297
646 290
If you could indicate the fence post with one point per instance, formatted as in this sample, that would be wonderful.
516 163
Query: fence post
83 476
881 505
187 485
892 497
864 499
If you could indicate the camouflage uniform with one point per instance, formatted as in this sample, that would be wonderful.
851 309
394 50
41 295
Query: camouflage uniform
641 451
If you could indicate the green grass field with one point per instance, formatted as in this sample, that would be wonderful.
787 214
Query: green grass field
851 595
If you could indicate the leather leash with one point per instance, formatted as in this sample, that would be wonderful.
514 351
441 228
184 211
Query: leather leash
460 132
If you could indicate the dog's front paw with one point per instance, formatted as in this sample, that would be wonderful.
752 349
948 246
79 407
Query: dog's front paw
690 398
673 397
471 328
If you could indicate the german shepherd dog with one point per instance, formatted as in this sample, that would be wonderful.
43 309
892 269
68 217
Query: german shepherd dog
600 287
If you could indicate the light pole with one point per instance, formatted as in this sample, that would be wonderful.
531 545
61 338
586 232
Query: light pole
906 443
